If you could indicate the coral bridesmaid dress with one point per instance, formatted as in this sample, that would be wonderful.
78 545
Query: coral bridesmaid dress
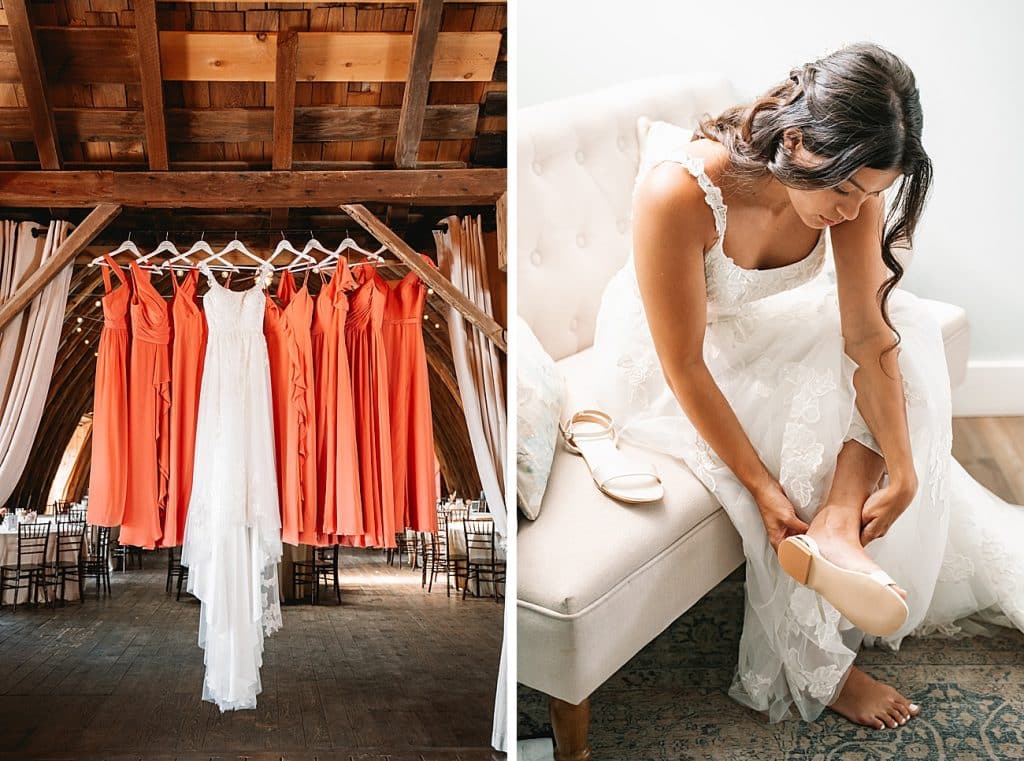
188 348
108 478
149 404
300 470
364 343
275 333
412 426
348 499
325 385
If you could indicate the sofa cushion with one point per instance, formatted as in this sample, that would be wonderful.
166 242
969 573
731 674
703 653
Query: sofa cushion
588 563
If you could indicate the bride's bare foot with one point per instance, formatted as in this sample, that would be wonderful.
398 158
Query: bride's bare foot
867 701
841 544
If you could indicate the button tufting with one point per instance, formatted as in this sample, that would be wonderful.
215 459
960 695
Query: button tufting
535 257
580 157
581 240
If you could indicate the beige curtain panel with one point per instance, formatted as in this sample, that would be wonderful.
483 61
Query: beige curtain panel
460 257
28 345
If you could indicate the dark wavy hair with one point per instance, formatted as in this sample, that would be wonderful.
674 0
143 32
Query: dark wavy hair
858 107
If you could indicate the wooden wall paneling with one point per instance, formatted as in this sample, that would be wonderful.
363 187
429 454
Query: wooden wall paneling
33 80
151 77
417 87
79 238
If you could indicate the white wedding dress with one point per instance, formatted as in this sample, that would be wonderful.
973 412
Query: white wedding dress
232 541
774 345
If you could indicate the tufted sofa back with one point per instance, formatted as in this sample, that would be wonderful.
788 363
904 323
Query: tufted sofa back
577 160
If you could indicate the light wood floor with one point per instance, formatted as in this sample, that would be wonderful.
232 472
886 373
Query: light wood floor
393 673
992 450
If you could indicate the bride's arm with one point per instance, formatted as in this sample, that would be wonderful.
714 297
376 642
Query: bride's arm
671 222
860 272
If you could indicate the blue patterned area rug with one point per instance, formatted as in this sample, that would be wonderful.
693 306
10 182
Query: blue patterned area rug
670 702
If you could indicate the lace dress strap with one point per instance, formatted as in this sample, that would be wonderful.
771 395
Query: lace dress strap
205 269
712 193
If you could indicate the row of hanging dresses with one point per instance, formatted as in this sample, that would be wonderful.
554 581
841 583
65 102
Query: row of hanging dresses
143 436
232 541
355 447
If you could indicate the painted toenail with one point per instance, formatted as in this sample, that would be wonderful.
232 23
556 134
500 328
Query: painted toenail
914 707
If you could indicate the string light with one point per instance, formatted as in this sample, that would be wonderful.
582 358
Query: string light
86 341
80 320
95 353
98 303
430 291
437 326
78 330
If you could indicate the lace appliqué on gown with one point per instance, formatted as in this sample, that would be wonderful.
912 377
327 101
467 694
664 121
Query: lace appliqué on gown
232 541
774 345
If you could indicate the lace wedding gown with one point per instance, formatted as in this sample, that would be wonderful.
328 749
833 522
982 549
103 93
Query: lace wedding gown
232 541
774 345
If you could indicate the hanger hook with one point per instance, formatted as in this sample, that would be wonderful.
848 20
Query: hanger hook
202 236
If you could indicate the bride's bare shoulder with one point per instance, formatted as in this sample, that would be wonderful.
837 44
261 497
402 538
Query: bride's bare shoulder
670 195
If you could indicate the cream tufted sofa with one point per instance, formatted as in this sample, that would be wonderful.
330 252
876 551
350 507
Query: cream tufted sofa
599 580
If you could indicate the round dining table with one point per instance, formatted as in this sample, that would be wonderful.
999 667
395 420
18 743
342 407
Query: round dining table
9 556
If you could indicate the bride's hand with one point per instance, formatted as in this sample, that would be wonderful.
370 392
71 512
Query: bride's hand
779 515
882 508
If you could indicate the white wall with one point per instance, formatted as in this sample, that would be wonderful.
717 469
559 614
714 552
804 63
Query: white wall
968 59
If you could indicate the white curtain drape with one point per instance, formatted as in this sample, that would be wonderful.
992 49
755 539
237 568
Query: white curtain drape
28 344
461 258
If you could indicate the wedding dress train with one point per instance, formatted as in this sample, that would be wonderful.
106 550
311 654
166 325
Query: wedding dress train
774 345
232 541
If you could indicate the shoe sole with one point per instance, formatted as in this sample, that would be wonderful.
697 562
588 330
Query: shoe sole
871 606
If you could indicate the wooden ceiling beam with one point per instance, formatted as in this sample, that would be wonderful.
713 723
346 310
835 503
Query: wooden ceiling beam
246 190
33 81
312 124
324 56
417 84
284 98
82 235
150 75
441 285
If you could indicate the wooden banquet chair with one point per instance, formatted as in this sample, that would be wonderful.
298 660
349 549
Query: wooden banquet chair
30 568
96 563
127 555
482 562
323 566
174 567
70 536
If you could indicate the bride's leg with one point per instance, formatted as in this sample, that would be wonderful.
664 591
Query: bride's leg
836 529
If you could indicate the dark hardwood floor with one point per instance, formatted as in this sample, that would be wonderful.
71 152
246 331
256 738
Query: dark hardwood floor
392 674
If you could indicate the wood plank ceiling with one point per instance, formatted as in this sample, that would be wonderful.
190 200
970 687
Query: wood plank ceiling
103 91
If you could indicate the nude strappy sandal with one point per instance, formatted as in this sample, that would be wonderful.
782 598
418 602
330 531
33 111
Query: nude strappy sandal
590 433
866 599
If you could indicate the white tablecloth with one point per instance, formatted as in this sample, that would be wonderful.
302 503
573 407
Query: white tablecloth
457 549
9 556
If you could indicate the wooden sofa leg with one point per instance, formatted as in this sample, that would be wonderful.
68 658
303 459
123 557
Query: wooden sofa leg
570 723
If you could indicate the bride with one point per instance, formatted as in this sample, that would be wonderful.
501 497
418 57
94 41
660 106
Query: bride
807 405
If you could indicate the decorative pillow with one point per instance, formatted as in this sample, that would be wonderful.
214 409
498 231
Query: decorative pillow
657 140
541 390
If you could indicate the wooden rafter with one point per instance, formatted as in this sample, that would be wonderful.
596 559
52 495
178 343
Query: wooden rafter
417 85
152 83
502 214
250 189
82 235
441 285
33 80
284 98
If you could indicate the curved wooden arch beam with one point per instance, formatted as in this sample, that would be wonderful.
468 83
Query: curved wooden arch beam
81 237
